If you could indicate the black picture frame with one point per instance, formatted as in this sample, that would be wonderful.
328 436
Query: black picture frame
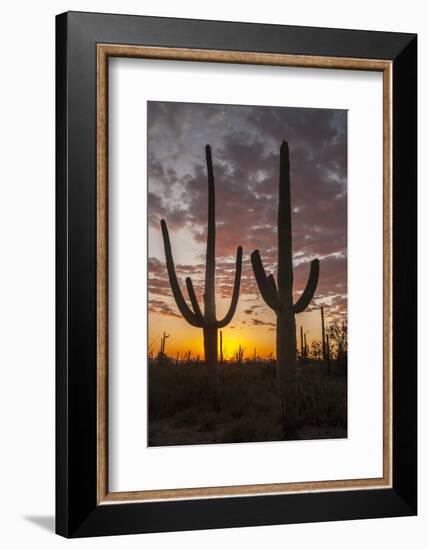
77 511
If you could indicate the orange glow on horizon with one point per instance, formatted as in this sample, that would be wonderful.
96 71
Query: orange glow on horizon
254 339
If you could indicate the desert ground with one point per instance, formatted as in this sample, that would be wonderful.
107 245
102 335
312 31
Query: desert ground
181 413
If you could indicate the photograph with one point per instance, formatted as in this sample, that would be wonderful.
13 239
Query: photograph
212 275
247 333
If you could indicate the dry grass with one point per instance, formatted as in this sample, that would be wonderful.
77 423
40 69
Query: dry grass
181 411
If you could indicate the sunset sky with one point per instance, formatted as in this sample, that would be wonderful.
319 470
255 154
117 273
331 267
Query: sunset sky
245 143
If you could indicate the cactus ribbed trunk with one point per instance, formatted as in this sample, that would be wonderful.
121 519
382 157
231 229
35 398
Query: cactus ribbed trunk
286 357
286 324
210 332
210 352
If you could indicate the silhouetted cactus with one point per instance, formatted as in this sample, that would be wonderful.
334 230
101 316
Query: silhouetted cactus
323 335
206 320
327 352
238 354
163 342
162 356
302 346
279 297
325 343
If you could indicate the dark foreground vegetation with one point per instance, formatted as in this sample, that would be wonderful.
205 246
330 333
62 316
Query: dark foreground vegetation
181 413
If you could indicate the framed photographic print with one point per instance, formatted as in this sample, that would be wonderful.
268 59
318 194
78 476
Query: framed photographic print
236 274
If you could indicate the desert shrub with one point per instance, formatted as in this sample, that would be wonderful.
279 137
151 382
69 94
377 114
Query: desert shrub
184 418
208 421
181 411
251 429
239 431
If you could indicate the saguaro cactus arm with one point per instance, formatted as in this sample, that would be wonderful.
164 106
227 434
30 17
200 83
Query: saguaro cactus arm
272 282
307 295
270 296
185 310
229 315
194 300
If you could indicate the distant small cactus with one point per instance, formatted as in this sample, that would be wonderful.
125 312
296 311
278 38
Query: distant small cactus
162 354
239 354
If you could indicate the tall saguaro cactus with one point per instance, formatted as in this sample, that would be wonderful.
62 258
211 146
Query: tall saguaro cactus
194 316
279 297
